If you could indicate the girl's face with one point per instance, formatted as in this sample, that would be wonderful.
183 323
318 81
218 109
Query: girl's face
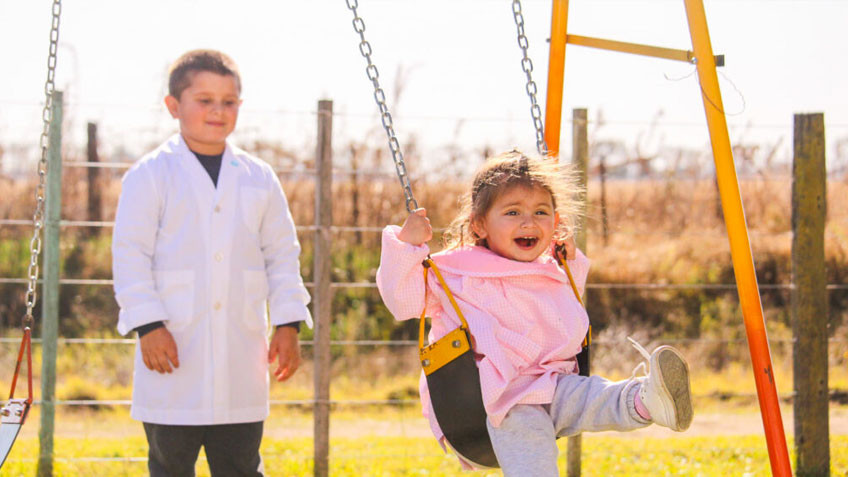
520 224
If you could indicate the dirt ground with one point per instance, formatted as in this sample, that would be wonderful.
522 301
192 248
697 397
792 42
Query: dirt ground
409 423
703 424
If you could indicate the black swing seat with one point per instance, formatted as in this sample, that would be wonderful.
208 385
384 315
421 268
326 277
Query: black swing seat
454 383
456 398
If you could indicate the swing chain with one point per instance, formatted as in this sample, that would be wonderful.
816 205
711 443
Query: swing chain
47 117
385 115
527 66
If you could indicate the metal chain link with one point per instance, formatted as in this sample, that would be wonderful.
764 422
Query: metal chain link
47 117
527 66
380 98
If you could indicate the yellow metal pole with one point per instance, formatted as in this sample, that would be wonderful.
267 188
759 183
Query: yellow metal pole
632 48
553 125
556 68
740 248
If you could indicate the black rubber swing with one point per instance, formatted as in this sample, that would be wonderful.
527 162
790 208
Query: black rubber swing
454 383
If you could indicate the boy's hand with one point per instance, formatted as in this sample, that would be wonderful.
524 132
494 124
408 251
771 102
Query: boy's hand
567 247
159 351
416 229
285 346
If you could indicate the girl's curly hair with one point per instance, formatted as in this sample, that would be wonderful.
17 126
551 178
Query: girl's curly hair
510 169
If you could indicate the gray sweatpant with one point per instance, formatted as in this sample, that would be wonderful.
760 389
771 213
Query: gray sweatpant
525 442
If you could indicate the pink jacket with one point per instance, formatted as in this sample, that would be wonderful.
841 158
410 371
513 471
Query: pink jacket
524 317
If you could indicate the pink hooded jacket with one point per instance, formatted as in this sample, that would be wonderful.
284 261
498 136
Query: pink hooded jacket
524 317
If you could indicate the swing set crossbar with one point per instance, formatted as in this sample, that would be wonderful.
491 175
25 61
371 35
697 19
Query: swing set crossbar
675 54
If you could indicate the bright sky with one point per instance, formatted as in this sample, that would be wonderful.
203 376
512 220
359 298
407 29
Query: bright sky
458 60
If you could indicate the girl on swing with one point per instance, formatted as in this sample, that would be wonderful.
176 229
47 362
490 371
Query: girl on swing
527 325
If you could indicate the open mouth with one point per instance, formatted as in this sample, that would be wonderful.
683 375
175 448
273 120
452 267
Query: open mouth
526 243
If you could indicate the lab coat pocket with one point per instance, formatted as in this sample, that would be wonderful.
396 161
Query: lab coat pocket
176 290
252 207
255 300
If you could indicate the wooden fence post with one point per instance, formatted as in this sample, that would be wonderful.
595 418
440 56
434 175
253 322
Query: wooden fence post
50 289
94 191
580 158
354 192
322 294
809 297
602 172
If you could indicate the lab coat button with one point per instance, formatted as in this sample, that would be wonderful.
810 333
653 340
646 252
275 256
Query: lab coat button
217 208
219 256
217 305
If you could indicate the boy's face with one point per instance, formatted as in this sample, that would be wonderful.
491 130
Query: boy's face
520 224
207 111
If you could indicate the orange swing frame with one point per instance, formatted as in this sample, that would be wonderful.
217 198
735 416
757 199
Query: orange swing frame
731 201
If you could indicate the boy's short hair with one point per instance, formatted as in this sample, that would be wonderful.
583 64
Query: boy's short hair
195 61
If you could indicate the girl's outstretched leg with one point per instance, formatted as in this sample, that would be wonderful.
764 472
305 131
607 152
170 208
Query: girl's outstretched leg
665 391
592 403
525 442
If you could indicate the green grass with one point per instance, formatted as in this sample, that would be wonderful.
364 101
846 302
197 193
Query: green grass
726 438
374 456
395 441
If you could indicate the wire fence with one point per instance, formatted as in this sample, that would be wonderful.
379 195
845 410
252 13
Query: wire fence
394 344
341 285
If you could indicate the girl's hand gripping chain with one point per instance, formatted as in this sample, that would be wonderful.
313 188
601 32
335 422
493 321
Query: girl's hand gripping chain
565 249
416 229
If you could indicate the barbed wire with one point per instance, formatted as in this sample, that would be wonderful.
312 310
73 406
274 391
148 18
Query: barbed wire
370 343
596 286
377 229
436 117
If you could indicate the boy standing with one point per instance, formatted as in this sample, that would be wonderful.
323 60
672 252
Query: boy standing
204 248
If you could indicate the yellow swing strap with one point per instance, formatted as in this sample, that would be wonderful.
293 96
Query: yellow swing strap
588 339
571 281
452 345
430 264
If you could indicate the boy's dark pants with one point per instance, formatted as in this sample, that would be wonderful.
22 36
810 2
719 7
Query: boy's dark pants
231 449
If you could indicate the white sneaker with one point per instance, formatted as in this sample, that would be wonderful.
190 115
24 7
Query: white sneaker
665 391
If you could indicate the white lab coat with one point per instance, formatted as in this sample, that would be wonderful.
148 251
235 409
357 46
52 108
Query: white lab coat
211 263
